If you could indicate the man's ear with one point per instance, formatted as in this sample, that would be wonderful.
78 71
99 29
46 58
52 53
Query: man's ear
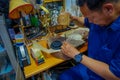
108 9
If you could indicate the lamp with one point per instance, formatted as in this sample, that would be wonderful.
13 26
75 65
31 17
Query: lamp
17 6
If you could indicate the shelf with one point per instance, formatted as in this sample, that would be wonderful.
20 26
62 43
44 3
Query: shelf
47 1
2 50
9 65
6 70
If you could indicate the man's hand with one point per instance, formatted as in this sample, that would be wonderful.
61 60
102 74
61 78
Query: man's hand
69 50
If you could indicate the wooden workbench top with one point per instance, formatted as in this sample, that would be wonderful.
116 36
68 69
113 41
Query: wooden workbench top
50 61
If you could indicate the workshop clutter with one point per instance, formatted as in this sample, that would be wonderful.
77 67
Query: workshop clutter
30 24
76 37
36 53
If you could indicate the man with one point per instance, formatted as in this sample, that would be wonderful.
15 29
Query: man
103 60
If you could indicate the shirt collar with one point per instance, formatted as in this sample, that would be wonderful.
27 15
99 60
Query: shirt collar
115 25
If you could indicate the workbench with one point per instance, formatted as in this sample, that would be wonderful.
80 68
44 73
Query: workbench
50 61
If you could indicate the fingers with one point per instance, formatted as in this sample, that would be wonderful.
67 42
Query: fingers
68 49
64 47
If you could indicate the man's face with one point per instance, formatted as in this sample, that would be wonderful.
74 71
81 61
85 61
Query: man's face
97 17
86 12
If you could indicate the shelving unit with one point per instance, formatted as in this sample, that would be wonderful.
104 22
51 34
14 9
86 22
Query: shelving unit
8 46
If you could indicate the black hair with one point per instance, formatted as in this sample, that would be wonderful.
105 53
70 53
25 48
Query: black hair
80 2
97 4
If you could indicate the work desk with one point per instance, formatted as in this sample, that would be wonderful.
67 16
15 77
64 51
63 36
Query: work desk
50 61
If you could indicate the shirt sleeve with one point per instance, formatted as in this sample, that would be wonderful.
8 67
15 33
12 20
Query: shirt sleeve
115 64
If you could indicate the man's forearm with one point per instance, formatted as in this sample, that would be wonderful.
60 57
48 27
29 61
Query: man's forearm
79 20
100 68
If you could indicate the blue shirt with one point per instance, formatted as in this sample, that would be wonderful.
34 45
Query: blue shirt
104 45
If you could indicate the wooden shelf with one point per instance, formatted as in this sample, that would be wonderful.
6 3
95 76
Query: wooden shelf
47 1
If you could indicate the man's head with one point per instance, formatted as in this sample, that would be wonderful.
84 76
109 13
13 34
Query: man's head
102 12
97 4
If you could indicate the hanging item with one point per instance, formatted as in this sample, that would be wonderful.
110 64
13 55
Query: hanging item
17 6
64 19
